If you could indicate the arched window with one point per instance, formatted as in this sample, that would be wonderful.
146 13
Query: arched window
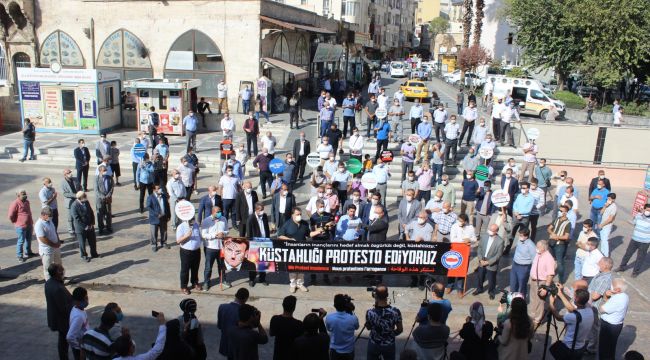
301 55
124 53
60 47
3 66
281 49
195 56
19 60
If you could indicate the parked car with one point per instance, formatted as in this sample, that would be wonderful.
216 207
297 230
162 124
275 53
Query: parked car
415 89
585 91
644 93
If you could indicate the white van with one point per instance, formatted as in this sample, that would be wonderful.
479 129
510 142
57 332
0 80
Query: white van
398 69
527 93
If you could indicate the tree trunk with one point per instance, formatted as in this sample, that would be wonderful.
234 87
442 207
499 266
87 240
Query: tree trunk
560 77
478 25
467 21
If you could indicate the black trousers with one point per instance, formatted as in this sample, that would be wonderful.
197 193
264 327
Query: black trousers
338 356
104 216
144 187
439 128
266 178
641 249
496 129
607 340
492 279
82 177
414 124
212 255
351 121
533 226
251 139
302 162
62 345
190 260
451 147
253 274
469 127
134 167
293 118
87 237
55 218
382 145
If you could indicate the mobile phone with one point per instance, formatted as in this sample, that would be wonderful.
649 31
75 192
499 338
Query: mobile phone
154 313
315 310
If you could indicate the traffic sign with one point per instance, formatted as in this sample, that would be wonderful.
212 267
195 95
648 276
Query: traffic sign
139 150
500 198
369 181
276 166
486 153
313 160
532 133
381 113
482 172
354 165
184 210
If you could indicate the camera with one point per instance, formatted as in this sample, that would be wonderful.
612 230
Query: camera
349 306
504 298
372 289
550 289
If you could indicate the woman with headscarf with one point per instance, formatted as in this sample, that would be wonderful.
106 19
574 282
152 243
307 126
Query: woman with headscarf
476 334
175 346
517 331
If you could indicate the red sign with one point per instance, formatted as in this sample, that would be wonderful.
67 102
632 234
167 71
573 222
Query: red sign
387 156
639 202
461 263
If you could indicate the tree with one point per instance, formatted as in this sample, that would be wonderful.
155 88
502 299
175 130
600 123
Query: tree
437 26
547 33
478 22
470 58
468 6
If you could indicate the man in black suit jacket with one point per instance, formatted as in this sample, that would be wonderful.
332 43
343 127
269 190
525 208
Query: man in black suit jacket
253 229
301 146
158 217
594 182
208 201
378 228
104 186
70 186
59 304
279 218
513 188
242 209
83 219
82 163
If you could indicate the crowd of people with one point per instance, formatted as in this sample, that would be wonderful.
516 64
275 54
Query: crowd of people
340 208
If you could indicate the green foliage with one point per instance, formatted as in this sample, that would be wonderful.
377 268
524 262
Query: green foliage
516 72
438 25
572 101
631 108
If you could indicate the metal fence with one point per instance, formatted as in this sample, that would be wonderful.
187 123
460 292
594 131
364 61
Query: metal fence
3 67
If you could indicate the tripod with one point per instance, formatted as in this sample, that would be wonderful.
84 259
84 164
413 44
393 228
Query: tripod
427 288
550 320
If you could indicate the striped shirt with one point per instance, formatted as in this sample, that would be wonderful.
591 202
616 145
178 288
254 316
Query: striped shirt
561 227
641 229
444 221
538 195
97 344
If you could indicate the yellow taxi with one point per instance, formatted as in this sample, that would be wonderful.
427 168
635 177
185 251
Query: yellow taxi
415 89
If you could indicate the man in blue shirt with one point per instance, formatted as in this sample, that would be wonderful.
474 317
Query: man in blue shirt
348 114
522 261
598 198
383 133
190 122
521 208
341 325
437 293
326 116
424 130
415 114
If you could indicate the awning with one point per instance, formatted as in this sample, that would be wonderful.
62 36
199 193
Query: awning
365 59
294 26
298 72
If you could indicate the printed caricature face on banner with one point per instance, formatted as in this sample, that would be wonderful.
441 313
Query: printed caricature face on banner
235 252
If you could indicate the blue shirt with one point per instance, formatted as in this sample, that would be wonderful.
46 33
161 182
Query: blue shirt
144 174
641 229
446 309
384 129
190 123
524 252
346 228
326 114
424 130
599 203
470 186
416 112
341 327
348 111
381 173
523 204
162 149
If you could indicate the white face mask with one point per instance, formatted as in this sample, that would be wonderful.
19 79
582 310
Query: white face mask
297 218
421 221
468 176
375 202
248 191
646 213
438 198
328 191
586 230
355 198
321 210
444 182
285 193
491 233
409 198
342 170
411 178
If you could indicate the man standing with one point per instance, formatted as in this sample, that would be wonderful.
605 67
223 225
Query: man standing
48 240
522 208
326 116
245 206
252 130
177 192
59 304
497 110
639 242
296 229
348 105
601 176
246 95
396 111
341 325
544 174
190 122
598 198
103 199
470 194
508 114
48 197
82 163
188 237
227 318
335 137
460 100
541 274
213 229
202 107
489 253
558 234
244 340
159 213
385 323
355 144
20 215
153 121
29 136
186 171
285 328
470 114
409 208
283 202
371 108
484 208
525 252
578 322
383 135
448 191
530 159
222 96
228 188
144 179
70 187
451 140
84 226
612 314
598 287
416 114
439 119
382 172
257 225
419 230
538 207
262 163
301 148
606 222
408 157
102 148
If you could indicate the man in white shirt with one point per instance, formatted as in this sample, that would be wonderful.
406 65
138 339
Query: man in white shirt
399 96
452 129
188 237
530 160
416 113
213 229
355 144
512 165
470 114
508 115
228 188
324 149
49 245
590 266
612 314
177 191
439 120
222 96
269 142
382 99
227 126
461 232
497 110
186 170
570 195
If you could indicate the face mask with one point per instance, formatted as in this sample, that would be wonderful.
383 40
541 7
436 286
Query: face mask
285 193
600 186
491 233
218 214
248 191
445 182
356 133
320 195
342 170
321 210
446 211
381 165
375 202
421 221
542 165
562 177
468 176
601 176
265 153
331 158
297 218
522 239
355 198
328 191
482 124
260 214
586 230
177 176
646 213
453 121
83 304
411 178
229 173
120 316
533 187
23 197
438 198
409 198
508 176
302 138
524 191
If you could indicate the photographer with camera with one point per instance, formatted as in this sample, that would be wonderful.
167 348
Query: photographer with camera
243 339
341 325
193 333
431 337
385 323
437 293
541 280
578 325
